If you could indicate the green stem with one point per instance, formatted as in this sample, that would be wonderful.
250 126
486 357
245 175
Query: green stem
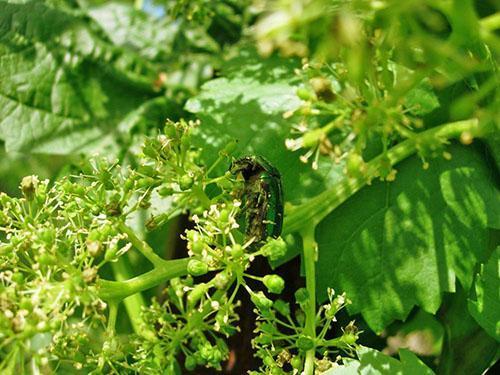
113 312
492 22
315 209
118 290
310 255
141 245
133 303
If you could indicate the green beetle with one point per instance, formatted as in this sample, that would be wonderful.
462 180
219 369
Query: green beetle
262 197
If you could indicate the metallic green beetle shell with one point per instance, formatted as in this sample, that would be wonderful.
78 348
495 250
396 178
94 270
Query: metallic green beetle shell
262 197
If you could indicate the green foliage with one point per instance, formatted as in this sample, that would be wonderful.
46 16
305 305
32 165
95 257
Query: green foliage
383 234
484 307
366 109
373 362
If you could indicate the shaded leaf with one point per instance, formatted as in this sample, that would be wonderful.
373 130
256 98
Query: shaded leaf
65 86
485 306
396 245
184 52
374 362
128 27
467 348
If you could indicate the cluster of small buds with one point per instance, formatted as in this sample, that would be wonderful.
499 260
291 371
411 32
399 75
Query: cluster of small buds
54 241
282 339
190 321
337 120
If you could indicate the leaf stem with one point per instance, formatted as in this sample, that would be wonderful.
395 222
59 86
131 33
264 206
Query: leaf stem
118 290
141 245
133 303
492 22
113 312
310 256
317 208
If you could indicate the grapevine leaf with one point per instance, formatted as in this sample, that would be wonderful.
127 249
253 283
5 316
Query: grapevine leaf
247 104
55 95
374 362
485 307
125 26
396 245
183 51
467 348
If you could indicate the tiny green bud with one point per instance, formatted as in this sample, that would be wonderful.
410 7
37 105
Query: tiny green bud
192 235
274 283
224 216
261 301
197 268
186 182
149 150
4 218
48 235
197 246
128 184
269 361
147 170
170 130
274 249
305 94
237 251
165 190
18 277
196 294
221 280
301 296
146 182
5 248
296 363
47 259
190 363
226 183
349 338
110 253
312 137
26 304
282 307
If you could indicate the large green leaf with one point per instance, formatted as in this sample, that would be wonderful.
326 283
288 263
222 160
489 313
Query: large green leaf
485 307
396 245
183 51
374 362
65 86
128 27
247 104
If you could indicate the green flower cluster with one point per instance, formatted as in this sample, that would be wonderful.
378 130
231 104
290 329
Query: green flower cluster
282 341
